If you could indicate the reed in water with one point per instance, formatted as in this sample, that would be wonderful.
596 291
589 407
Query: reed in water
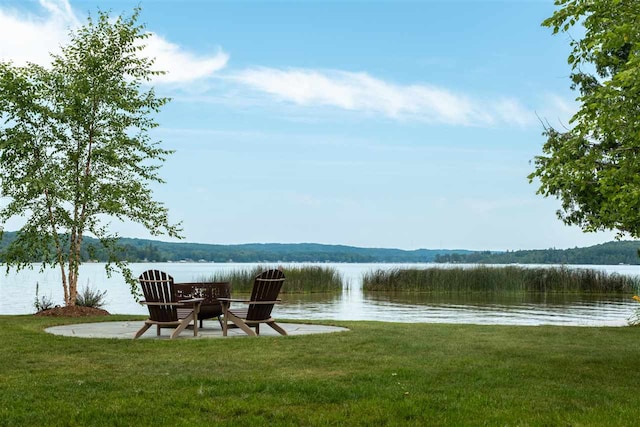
499 279
299 279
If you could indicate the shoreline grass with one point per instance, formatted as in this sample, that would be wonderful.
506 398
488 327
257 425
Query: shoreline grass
298 279
376 374
499 279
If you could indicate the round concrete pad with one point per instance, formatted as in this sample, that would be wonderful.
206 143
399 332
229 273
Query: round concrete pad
127 330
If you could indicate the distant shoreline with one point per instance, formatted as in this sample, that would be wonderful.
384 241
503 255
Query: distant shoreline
144 250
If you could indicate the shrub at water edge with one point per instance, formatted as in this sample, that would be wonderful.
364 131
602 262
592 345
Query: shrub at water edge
89 297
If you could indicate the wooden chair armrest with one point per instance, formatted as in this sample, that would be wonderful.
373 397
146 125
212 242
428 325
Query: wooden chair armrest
179 303
248 301
160 303
191 300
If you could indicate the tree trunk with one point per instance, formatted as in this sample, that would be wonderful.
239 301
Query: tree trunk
74 266
73 286
65 286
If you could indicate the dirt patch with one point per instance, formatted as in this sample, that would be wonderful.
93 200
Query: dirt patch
73 311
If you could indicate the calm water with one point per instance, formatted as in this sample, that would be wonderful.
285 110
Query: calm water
18 290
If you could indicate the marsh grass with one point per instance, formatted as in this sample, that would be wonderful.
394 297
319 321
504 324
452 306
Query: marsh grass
376 374
298 279
499 279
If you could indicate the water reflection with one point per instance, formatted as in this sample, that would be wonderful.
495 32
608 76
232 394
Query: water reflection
527 309
17 293
489 298
522 309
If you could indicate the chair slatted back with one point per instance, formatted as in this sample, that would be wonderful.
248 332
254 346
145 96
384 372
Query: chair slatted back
266 287
157 286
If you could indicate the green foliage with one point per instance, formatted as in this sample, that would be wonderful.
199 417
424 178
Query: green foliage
241 280
594 167
89 297
610 253
75 150
498 279
142 250
312 279
276 252
298 279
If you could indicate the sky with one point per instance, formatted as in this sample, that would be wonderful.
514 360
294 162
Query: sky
403 124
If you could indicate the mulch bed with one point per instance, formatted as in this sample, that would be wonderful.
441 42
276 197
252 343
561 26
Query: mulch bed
73 311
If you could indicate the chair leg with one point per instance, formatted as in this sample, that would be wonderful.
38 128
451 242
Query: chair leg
142 330
277 327
258 329
220 321
196 314
158 330
225 326
240 324
195 324
183 324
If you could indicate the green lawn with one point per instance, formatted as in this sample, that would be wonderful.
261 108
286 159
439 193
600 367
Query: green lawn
376 374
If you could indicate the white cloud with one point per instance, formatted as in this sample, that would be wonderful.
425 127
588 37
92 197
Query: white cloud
509 110
362 92
30 36
182 66
27 37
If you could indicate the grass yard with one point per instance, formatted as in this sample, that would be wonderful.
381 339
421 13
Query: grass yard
376 374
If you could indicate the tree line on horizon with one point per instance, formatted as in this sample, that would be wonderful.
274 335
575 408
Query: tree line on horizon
611 253
142 250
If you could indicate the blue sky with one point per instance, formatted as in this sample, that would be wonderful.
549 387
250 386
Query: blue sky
366 123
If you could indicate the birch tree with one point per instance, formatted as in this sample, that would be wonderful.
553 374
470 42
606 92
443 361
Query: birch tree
75 150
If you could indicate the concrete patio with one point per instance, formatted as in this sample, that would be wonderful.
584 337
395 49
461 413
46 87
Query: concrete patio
212 329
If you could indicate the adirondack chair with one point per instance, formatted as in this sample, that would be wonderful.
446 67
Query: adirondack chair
160 298
264 294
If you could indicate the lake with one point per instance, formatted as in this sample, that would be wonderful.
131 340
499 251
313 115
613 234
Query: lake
18 291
